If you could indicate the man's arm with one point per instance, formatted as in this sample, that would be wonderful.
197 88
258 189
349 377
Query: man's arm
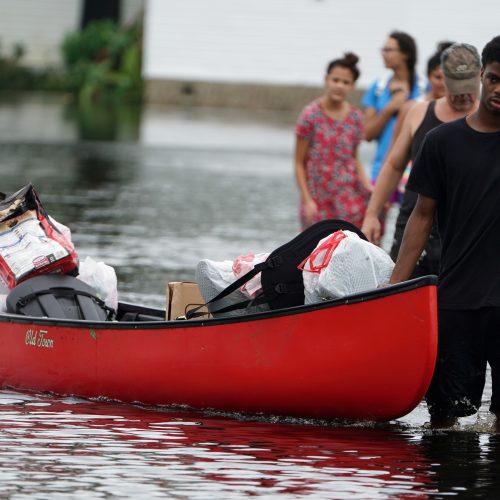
414 239
391 172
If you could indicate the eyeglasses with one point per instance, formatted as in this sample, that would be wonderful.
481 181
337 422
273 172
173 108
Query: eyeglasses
386 50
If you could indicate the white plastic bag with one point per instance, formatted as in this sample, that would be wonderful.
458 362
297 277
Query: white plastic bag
4 291
213 277
64 230
244 264
3 302
344 264
102 278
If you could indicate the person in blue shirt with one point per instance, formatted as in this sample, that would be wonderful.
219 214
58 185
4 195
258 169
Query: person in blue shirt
384 98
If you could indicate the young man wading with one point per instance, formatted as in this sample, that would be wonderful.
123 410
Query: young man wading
457 174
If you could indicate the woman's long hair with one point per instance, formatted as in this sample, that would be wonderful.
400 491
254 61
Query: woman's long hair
408 47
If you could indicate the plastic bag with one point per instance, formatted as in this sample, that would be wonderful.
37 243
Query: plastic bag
213 277
30 244
64 230
344 264
242 265
102 278
4 291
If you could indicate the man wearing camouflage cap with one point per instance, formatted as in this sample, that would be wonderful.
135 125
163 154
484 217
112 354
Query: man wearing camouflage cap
457 173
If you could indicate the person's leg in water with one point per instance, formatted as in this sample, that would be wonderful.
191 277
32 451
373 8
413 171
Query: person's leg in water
493 349
460 372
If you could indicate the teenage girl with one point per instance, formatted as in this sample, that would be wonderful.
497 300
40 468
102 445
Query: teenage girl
331 180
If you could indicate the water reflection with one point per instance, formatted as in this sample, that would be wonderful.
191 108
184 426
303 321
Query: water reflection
466 463
105 120
80 448
76 447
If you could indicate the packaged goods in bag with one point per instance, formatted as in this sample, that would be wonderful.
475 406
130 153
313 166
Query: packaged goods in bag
280 279
344 264
30 244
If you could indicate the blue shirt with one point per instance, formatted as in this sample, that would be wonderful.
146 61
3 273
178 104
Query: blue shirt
377 96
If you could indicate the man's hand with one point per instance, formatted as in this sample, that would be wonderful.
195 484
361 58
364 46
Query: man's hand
415 237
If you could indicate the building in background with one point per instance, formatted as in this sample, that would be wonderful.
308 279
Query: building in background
273 53
247 53
41 25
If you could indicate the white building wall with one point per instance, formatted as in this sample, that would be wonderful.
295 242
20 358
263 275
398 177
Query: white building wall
291 41
130 10
39 25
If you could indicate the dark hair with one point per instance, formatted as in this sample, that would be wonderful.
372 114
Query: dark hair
349 61
408 47
435 60
491 52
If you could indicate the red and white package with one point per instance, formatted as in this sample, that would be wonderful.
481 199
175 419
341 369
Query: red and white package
29 243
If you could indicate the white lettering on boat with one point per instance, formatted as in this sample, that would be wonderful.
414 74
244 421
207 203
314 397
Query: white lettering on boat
37 338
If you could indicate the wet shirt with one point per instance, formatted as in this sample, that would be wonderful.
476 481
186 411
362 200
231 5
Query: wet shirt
460 168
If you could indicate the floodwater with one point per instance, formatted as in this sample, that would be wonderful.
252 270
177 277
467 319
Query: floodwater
151 192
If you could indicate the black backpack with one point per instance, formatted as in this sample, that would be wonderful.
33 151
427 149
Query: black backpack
282 284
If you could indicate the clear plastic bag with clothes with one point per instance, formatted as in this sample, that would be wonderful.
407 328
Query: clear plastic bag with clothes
102 278
344 264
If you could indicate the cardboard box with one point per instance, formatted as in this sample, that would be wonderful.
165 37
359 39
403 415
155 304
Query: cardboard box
183 296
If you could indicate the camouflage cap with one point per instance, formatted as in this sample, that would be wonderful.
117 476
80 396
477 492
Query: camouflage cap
461 65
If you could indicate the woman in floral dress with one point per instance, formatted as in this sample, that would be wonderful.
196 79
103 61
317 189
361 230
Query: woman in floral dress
332 181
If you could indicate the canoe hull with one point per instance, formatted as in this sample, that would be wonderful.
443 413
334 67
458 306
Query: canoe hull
370 359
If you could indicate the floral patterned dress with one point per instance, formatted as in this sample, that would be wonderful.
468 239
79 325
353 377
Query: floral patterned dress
331 172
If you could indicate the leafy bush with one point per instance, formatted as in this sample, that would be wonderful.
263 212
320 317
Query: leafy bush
104 57
12 74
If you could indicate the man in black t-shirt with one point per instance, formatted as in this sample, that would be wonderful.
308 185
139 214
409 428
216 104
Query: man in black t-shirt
457 174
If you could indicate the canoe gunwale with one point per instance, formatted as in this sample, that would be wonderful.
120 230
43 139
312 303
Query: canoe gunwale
379 293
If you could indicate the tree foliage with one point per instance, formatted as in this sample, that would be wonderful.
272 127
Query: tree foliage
104 58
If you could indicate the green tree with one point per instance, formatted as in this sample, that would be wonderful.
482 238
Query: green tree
104 58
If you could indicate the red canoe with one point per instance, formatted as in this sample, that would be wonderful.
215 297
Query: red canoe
367 357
